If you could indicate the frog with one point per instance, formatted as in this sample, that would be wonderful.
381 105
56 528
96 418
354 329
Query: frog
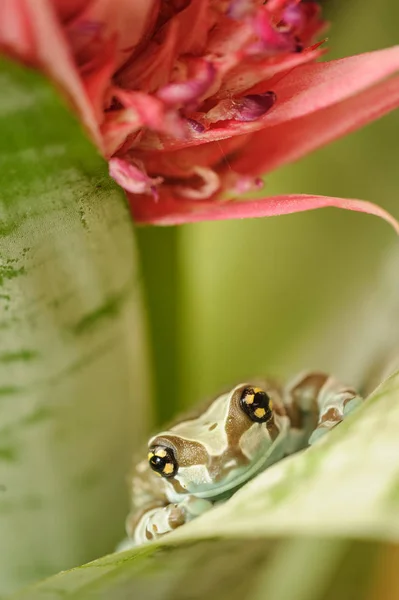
203 458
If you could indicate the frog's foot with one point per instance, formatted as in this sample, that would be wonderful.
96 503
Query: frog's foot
345 404
352 405
194 506
158 521
318 434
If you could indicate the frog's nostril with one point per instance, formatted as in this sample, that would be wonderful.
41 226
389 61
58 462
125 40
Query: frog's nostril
212 427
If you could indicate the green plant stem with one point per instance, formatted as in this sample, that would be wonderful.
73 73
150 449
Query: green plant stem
159 253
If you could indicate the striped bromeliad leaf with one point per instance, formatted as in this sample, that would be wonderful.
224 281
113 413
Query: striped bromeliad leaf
72 358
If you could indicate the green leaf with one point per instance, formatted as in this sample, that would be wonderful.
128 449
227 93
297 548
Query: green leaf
291 533
286 569
73 382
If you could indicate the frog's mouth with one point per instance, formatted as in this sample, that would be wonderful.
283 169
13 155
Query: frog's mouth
240 475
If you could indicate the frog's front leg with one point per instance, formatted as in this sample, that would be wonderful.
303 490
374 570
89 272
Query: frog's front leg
155 522
335 401
316 402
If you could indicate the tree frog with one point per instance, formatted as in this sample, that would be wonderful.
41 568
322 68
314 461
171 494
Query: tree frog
204 458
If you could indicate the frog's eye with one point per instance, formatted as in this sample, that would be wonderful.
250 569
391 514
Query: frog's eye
162 460
256 404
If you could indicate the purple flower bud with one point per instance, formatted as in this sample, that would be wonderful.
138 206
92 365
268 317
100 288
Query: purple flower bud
190 91
195 125
239 9
293 16
254 106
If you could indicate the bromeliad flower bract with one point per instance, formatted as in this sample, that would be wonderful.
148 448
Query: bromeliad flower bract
191 101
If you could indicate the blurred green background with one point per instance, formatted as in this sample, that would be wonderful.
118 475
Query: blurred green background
228 300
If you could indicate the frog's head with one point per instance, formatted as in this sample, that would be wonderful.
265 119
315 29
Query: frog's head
225 446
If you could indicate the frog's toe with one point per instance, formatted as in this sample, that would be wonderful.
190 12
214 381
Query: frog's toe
195 506
318 433
352 405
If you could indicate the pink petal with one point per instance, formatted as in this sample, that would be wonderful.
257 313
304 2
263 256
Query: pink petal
282 144
140 111
310 88
180 164
172 212
190 91
133 178
194 22
154 68
313 87
249 73
274 6
69 9
229 38
119 127
293 16
97 74
238 9
124 20
272 40
30 32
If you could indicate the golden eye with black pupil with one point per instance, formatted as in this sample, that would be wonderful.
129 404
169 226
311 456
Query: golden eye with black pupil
162 460
256 404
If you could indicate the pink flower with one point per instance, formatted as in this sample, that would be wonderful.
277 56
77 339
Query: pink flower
191 101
